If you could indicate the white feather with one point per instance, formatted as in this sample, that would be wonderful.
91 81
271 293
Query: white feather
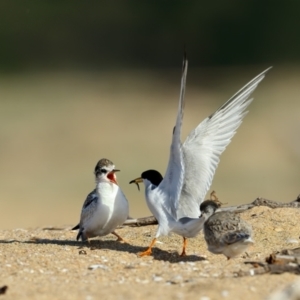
205 144
170 187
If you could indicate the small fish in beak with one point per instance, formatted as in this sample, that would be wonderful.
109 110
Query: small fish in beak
137 181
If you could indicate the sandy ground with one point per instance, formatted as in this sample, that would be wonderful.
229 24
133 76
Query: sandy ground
47 263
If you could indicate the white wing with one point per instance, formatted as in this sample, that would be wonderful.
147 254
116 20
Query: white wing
171 185
205 144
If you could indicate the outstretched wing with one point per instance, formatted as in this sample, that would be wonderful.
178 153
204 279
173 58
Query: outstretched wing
205 144
171 185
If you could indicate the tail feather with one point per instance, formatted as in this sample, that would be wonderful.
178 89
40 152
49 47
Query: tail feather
76 227
79 235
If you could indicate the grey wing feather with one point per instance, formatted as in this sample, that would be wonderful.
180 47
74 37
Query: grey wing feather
88 207
235 237
90 200
205 144
91 197
76 227
173 179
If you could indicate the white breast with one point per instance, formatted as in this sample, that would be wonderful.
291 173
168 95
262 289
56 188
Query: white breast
111 211
164 218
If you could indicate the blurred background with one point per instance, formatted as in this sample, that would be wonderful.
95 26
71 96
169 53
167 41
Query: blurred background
80 81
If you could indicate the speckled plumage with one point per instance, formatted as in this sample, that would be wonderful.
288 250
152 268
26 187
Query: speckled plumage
225 232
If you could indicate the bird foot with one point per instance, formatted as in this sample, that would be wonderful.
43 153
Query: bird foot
119 239
183 254
148 252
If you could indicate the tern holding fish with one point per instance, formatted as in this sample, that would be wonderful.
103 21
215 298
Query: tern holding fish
175 199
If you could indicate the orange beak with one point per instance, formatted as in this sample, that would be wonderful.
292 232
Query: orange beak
112 177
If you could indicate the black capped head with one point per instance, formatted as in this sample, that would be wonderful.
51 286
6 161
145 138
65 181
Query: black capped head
152 175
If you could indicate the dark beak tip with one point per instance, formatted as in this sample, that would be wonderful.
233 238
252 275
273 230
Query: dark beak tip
134 181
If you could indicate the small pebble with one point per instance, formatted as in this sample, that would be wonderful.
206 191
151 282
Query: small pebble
292 241
278 229
176 279
3 289
225 293
157 278
93 267
142 281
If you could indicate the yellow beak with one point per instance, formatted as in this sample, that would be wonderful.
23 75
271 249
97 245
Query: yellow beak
137 181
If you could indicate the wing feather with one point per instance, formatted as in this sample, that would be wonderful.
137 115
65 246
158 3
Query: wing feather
88 207
235 237
171 185
205 144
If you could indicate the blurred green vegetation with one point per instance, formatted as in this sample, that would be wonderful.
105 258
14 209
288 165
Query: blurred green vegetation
118 34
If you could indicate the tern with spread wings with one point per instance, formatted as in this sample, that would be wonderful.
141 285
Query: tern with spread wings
175 199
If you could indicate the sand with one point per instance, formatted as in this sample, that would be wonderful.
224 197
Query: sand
47 263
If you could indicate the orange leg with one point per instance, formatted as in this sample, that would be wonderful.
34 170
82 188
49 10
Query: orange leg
184 246
120 239
149 250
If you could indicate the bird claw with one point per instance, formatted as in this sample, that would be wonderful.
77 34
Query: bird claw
148 252
121 240
183 254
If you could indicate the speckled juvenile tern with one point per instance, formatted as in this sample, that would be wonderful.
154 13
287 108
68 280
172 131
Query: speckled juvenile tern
225 232
106 207
175 199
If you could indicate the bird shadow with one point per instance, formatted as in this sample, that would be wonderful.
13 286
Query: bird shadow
174 257
92 244
107 245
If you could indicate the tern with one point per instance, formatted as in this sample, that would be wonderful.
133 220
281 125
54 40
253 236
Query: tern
106 207
175 199
225 232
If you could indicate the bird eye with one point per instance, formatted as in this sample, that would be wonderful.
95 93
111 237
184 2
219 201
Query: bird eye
103 171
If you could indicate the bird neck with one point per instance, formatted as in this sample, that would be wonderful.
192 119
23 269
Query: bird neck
149 185
104 184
